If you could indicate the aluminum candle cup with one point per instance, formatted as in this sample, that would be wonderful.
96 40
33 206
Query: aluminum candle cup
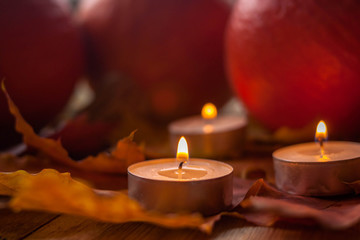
299 169
218 137
202 185
209 135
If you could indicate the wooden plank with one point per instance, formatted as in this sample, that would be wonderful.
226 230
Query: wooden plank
19 225
80 228
232 228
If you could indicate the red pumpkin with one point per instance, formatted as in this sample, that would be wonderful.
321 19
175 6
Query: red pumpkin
295 62
41 59
167 55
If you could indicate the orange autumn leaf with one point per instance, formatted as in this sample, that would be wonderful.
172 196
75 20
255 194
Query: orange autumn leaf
57 192
11 182
261 203
126 150
125 153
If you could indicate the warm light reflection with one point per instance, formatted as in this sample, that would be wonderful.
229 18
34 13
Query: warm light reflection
321 131
208 128
209 111
182 150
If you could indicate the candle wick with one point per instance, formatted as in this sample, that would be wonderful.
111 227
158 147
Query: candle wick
181 164
321 141
180 169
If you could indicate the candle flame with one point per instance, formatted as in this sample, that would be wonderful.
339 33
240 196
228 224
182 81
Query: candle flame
321 131
182 150
209 111
321 135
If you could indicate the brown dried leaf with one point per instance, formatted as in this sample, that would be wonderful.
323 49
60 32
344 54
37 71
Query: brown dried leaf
354 185
265 205
125 153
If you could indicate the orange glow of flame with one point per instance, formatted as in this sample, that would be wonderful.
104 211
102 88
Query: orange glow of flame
209 111
182 150
321 131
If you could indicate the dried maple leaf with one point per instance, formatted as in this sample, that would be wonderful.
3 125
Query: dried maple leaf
10 183
354 185
265 205
125 153
57 192
126 150
261 204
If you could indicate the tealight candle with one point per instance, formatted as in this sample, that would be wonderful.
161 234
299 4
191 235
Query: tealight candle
317 169
182 184
210 135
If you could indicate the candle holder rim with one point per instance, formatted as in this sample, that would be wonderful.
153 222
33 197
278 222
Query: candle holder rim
183 181
181 130
312 143
318 162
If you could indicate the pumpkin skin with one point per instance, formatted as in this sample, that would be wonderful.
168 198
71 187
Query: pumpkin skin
170 52
41 59
295 62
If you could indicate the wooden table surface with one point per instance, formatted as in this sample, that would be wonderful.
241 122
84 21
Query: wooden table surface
36 225
40 225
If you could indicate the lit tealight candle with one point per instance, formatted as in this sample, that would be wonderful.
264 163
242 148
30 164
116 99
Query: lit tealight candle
319 168
183 184
210 135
